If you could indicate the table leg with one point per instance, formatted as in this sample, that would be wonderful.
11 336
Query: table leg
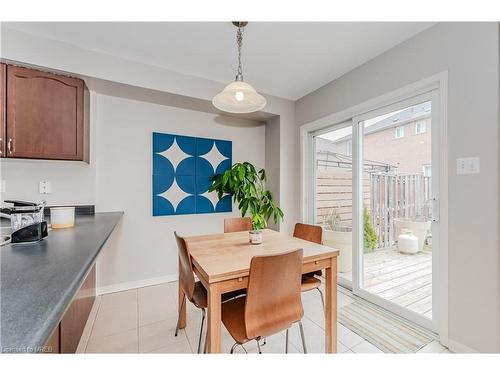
331 307
214 319
182 314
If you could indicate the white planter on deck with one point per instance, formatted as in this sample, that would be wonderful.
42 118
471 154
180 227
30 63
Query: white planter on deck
341 241
418 228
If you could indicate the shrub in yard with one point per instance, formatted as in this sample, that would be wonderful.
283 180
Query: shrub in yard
369 235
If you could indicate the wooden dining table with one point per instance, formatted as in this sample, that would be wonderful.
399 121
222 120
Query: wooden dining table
222 262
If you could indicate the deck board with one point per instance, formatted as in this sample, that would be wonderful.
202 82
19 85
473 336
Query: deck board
380 277
422 306
414 296
403 279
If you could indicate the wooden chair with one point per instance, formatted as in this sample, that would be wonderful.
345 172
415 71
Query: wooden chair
312 233
272 303
237 224
194 290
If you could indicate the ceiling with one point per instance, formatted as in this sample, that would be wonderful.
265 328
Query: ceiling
285 59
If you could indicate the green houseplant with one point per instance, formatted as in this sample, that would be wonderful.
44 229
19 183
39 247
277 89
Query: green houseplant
247 186
370 236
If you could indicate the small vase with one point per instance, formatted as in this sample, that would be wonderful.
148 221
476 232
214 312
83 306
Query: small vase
255 237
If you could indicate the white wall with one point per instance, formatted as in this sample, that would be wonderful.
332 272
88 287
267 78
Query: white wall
143 247
470 54
71 182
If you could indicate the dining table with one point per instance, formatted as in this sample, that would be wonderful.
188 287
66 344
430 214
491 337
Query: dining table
222 263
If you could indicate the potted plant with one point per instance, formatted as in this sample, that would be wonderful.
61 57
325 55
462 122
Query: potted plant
340 237
247 186
370 238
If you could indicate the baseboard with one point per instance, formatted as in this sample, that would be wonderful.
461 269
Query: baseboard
457 347
120 287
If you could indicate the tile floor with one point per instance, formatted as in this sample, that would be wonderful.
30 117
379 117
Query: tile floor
143 321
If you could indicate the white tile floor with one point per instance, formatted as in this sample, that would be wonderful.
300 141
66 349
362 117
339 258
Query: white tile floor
143 321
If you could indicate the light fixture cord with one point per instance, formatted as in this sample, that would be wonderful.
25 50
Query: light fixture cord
239 41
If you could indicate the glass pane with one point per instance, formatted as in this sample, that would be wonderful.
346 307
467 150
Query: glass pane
397 180
333 203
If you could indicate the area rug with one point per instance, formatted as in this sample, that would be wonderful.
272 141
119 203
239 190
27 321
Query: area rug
382 329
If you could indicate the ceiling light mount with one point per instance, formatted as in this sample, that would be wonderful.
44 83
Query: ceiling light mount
239 96
240 23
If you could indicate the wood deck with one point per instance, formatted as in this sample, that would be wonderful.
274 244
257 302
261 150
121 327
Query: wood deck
400 278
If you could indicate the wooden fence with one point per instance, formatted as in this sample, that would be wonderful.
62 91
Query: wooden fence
397 196
334 192
387 196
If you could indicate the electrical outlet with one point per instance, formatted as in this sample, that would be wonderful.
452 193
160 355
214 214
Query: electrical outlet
468 165
44 187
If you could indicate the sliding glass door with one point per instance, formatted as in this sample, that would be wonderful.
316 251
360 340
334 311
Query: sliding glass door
376 196
334 193
396 229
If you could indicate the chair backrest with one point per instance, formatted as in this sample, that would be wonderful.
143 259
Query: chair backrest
237 224
273 295
186 275
308 232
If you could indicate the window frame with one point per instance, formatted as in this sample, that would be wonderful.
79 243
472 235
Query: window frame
423 124
424 167
402 128
349 148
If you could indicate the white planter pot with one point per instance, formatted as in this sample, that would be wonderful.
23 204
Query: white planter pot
255 237
408 243
418 228
341 241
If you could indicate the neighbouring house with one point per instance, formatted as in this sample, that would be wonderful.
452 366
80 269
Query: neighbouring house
404 137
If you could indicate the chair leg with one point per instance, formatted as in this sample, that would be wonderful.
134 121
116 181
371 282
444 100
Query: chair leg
179 317
322 298
206 343
303 337
233 347
201 329
286 342
258 346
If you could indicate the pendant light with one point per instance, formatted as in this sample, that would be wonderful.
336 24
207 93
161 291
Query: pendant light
239 96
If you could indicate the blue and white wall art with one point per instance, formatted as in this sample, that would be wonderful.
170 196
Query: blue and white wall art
182 168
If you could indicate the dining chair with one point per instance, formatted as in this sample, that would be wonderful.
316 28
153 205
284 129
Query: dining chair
312 233
237 224
272 303
194 290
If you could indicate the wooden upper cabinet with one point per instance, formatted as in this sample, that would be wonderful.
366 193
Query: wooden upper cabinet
3 86
46 116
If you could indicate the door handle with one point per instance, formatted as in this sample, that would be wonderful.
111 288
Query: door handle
9 146
435 210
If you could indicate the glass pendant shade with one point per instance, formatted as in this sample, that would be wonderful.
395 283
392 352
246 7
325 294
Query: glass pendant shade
239 97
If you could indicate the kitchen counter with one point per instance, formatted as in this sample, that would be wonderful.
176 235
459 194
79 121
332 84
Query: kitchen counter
39 280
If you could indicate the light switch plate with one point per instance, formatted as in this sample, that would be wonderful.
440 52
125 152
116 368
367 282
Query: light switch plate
470 165
45 187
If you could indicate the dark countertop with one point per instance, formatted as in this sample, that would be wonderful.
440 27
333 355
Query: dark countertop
39 280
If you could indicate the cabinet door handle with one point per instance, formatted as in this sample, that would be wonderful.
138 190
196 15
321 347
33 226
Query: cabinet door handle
1 146
9 146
